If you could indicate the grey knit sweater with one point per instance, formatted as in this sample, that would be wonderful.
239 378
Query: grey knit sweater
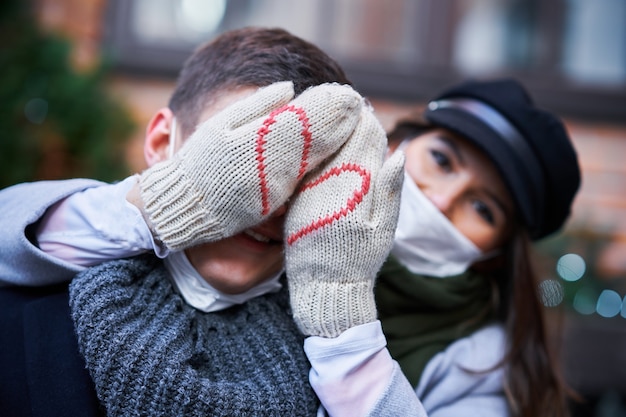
150 354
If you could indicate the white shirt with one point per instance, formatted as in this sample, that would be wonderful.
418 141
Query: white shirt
95 225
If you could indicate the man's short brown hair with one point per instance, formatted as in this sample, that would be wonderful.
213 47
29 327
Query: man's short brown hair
248 57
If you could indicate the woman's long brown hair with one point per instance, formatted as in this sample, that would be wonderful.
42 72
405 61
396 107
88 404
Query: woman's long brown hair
534 383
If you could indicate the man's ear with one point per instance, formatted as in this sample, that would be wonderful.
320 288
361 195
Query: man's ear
157 142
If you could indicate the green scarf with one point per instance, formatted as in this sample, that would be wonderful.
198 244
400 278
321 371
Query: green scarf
422 315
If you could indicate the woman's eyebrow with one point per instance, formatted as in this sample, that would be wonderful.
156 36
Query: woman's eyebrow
453 146
459 155
498 202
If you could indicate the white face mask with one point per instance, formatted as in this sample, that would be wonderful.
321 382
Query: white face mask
172 140
201 295
426 242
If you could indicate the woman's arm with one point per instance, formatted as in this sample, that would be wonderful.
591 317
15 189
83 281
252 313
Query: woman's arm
21 208
96 225
354 375
53 229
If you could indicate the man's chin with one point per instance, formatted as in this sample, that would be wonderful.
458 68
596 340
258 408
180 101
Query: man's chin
236 264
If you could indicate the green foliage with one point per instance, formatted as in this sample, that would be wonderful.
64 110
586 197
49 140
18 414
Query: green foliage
54 122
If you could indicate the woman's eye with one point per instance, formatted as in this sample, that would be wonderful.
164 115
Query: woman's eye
484 211
441 159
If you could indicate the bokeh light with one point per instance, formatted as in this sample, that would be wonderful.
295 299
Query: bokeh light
609 303
585 301
571 267
552 292
36 110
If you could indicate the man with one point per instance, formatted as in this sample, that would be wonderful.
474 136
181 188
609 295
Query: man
176 364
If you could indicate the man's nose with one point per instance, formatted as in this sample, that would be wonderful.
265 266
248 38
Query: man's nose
280 211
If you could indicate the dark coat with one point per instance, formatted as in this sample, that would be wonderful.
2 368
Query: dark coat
41 371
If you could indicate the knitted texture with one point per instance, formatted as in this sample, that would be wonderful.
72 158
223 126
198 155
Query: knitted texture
340 228
245 162
150 354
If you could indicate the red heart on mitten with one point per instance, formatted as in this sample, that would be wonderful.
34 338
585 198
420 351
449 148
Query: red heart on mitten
354 200
260 149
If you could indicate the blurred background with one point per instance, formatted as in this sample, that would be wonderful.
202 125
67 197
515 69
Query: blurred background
79 80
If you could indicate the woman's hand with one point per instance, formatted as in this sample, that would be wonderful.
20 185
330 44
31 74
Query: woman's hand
245 162
339 231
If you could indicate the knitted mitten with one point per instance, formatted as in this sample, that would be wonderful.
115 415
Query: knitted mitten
245 162
340 228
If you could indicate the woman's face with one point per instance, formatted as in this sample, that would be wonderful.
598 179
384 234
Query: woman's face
464 184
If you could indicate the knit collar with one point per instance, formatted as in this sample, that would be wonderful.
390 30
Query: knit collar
422 315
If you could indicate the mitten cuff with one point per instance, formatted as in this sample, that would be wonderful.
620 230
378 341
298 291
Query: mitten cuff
327 309
174 207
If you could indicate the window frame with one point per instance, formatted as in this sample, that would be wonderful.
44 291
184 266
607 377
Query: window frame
407 83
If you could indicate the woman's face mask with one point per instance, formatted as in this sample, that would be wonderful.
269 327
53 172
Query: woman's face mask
454 206
426 242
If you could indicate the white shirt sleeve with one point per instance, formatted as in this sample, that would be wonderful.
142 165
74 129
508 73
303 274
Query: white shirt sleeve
354 375
349 373
96 225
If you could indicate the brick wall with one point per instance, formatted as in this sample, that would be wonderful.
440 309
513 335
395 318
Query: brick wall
80 21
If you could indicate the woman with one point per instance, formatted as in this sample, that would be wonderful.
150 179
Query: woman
486 174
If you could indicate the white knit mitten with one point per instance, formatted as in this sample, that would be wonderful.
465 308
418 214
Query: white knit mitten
245 162
339 230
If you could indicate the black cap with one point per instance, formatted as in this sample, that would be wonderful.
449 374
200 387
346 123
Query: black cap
530 147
